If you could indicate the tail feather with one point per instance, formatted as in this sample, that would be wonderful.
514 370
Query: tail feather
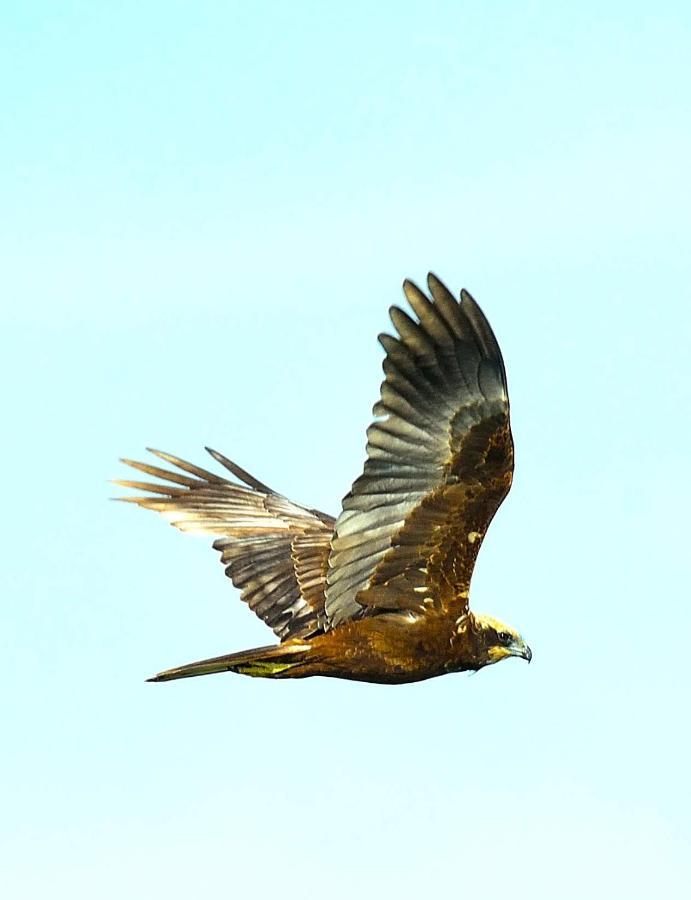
261 662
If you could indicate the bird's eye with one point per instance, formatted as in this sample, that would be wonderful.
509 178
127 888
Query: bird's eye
504 637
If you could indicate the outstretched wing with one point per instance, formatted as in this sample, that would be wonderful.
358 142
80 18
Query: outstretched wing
274 550
440 462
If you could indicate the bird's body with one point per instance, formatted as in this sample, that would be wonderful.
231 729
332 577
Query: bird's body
392 648
379 594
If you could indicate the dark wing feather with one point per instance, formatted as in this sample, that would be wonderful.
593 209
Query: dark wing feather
440 462
275 551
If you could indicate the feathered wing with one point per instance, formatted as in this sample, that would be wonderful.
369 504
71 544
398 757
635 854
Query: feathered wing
275 551
439 463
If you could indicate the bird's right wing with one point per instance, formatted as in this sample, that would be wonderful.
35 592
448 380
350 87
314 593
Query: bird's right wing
440 462
274 550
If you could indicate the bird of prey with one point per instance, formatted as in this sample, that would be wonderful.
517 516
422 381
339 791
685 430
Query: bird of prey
380 593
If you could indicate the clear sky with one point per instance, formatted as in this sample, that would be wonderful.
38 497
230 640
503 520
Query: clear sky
207 209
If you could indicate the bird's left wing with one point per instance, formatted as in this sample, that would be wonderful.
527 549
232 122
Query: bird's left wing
274 550
440 462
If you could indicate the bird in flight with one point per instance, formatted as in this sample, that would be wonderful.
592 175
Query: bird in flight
380 593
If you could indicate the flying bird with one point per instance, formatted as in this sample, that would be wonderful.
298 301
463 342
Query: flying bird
380 593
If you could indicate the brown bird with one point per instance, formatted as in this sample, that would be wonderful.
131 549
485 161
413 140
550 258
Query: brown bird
380 593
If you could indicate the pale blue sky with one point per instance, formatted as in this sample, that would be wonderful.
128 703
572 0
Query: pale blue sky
206 210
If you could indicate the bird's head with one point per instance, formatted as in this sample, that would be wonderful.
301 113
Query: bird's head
497 641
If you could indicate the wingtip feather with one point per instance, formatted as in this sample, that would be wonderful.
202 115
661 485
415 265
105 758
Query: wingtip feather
240 473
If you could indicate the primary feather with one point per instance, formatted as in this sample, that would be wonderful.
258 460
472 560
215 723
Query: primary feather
275 551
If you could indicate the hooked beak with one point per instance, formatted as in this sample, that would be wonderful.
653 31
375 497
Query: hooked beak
521 649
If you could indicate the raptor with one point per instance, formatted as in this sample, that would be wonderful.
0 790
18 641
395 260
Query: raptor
380 593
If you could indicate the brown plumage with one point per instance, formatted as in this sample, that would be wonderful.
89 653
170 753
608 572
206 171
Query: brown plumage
380 593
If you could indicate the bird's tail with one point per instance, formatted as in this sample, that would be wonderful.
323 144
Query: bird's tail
279 661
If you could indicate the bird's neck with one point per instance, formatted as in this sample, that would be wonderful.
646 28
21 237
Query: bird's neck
466 643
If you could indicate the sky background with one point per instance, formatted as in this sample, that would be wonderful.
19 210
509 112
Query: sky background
206 211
